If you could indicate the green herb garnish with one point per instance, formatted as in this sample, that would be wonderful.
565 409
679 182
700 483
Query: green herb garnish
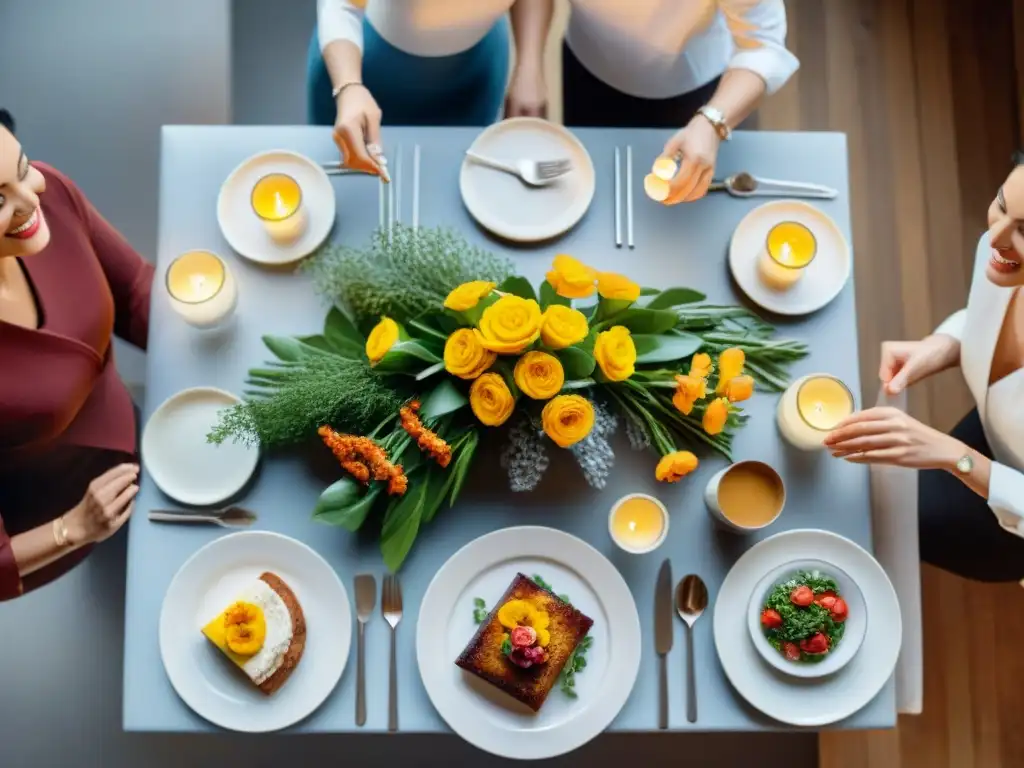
539 581
479 610
801 623
506 644
576 663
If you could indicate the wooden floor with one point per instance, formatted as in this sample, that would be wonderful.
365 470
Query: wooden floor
929 93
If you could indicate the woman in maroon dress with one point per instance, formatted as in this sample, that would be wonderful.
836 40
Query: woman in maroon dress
68 281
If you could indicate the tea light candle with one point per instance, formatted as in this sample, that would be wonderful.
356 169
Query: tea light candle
664 167
657 184
638 523
277 201
811 408
789 248
201 288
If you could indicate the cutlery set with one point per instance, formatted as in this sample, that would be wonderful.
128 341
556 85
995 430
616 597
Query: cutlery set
389 201
391 610
691 599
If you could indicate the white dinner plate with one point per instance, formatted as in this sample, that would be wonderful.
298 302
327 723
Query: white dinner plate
480 713
796 701
206 584
243 229
504 204
823 278
180 460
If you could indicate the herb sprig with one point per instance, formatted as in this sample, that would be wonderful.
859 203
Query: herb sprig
479 610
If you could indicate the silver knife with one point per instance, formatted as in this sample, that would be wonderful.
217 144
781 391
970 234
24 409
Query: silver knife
366 599
663 634
748 185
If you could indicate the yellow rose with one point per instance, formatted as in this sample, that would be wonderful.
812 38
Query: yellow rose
510 325
571 279
465 356
539 375
739 388
381 339
613 286
491 400
715 415
567 419
615 353
467 295
730 365
689 389
700 365
675 466
562 327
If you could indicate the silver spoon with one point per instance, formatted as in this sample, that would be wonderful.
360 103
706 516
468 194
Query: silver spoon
691 600
747 185
229 517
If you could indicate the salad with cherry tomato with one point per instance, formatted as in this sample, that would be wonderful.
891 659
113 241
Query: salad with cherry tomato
804 617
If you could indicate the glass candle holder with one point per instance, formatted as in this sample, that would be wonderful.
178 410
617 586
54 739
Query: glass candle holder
788 250
277 202
811 408
201 289
638 523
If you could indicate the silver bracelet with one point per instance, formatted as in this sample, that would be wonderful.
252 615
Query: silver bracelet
339 88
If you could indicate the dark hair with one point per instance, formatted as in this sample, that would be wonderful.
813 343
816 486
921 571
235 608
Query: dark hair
1018 157
7 120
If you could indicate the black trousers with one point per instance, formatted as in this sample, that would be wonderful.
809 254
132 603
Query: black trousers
958 531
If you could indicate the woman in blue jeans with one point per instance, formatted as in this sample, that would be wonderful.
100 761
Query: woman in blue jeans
421 62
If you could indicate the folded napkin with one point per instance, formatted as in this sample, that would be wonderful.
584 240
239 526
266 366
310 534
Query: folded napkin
894 524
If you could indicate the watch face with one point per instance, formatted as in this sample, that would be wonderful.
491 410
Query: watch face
964 465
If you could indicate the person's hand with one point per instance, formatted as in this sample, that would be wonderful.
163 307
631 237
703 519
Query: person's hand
357 131
697 147
106 506
907 362
889 436
527 93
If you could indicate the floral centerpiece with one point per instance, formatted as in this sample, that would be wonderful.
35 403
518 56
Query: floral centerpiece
430 341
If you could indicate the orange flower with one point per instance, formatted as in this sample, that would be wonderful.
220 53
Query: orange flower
428 441
700 366
363 458
675 466
689 389
715 415
730 365
739 388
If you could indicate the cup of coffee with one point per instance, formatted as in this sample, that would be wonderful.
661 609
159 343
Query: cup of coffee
746 496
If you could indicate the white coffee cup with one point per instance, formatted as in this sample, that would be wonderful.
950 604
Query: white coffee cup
715 508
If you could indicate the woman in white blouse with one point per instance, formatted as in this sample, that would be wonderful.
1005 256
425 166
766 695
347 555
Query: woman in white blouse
971 489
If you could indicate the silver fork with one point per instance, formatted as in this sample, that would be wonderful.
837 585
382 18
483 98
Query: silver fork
533 172
391 607
366 599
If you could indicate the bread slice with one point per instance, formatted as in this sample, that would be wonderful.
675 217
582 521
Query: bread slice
483 656
298 645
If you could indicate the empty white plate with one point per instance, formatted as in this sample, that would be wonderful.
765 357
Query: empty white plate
180 460
823 278
504 204
206 584
243 229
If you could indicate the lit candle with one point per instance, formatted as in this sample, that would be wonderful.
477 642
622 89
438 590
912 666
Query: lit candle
201 288
811 408
788 249
664 167
638 523
277 201
656 188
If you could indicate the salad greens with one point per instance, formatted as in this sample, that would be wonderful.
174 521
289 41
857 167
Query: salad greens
802 622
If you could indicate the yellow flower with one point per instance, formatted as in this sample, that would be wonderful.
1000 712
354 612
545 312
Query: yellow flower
467 295
522 613
700 365
689 389
567 419
739 388
571 279
465 356
615 353
613 286
491 400
539 375
381 339
562 327
675 466
715 415
730 365
510 325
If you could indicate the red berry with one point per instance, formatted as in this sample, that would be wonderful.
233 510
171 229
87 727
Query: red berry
770 619
839 610
816 644
523 637
802 596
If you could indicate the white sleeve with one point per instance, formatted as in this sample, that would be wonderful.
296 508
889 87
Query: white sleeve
758 29
1006 497
339 20
954 325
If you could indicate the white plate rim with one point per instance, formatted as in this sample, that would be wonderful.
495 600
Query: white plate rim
344 642
777 303
289 254
526 542
161 480
535 234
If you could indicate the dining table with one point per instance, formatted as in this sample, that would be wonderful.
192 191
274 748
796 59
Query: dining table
682 245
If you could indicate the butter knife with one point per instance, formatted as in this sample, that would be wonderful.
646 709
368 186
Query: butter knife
663 634
229 517
748 185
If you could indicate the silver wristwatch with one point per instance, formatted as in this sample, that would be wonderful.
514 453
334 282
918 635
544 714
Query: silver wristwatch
717 119
964 465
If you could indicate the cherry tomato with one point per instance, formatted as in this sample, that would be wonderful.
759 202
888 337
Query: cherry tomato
791 651
825 599
839 610
816 644
801 596
770 619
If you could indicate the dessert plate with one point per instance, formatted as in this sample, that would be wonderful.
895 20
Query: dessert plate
244 231
483 715
181 462
207 582
792 700
823 278
504 204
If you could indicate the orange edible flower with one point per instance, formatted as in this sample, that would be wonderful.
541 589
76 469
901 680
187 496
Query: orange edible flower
428 441
362 458
689 389
730 365
675 466
715 415
700 365
739 388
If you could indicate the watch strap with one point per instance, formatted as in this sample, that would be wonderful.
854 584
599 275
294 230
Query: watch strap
717 119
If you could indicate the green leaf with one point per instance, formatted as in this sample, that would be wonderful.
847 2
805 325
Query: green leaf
518 286
607 308
342 334
406 357
673 297
463 461
345 504
577 384
650 291
549 297
478 602
663 349
443 399
565 599
506 645
319 342
426 373
643 320
440 481
289 348
425 327
577 363
402 523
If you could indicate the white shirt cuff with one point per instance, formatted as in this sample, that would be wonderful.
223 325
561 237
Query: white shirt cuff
1006 497
774 64
339 20
954 325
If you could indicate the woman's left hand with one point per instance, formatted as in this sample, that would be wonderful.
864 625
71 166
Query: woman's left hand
889 436
527 93
697 147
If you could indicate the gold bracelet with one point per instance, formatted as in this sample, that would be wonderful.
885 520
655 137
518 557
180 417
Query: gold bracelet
60 532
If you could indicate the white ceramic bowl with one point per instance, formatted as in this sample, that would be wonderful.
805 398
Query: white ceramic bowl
853 636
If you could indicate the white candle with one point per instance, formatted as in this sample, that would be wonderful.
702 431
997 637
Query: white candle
201 289
811 408
638 523
277 202
789 248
